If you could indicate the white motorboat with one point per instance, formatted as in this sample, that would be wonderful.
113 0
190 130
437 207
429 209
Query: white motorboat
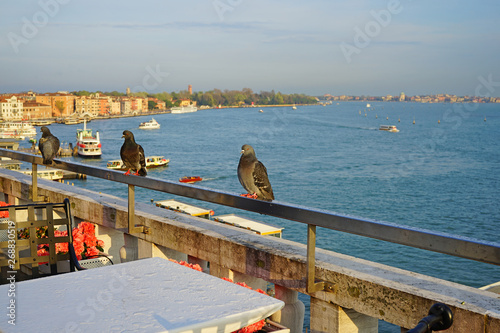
152 124
389 128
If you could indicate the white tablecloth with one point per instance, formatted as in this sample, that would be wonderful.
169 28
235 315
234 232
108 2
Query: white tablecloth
149 295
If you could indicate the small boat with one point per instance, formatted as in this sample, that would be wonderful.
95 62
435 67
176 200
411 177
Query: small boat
389 128
151 162
294 107
368 105
87 144
184 109
261 110
152 124
190 180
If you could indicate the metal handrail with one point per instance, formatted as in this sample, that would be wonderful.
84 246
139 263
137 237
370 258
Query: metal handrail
458 246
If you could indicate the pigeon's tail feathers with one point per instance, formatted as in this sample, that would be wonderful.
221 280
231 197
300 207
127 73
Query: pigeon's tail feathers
143 172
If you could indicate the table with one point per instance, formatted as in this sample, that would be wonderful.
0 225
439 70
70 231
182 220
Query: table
148 295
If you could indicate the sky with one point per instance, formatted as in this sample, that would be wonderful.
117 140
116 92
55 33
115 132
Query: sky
355 47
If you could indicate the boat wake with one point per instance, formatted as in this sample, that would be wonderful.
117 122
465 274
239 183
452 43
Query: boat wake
214 178
334 124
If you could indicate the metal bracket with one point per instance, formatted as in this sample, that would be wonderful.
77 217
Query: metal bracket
132 228
312 285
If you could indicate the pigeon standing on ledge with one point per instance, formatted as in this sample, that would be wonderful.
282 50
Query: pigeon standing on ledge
132 155
48 145
253 176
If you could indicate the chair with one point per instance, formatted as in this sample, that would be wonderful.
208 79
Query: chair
20 254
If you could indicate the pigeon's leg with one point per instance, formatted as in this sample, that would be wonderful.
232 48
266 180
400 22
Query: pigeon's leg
136 173
127 173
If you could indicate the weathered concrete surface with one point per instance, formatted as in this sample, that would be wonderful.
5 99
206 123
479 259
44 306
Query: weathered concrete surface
372 289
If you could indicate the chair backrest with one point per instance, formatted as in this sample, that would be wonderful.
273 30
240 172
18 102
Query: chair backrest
20 240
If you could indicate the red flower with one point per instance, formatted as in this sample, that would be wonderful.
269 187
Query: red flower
91 252
62 248
196 267
90 240
42 251
4 213
85 242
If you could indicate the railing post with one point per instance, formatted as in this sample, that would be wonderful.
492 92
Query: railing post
34 182
312 285
132 228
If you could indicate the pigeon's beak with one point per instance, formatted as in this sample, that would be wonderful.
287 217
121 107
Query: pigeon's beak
242 151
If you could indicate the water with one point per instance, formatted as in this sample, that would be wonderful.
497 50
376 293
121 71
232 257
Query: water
439 176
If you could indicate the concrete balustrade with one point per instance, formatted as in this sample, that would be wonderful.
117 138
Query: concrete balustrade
364 291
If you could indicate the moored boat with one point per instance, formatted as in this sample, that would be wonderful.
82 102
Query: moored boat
151 162
88 144
389 128
182 207
49 173
73 121
190 180
42 122
184 109
16 130
152 124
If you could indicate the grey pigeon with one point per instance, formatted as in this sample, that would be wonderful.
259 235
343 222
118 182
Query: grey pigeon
253 176
48 145
132 155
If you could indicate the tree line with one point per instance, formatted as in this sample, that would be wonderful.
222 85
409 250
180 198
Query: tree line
218 97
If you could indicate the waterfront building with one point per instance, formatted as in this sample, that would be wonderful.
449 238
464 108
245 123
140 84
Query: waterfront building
61 103
87 105
402 97
11 108
125 106
34 110
137 105
187 102
114 106
160 105
104 105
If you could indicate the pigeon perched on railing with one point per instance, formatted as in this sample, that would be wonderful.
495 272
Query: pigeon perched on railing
253 176
132 155
48 145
